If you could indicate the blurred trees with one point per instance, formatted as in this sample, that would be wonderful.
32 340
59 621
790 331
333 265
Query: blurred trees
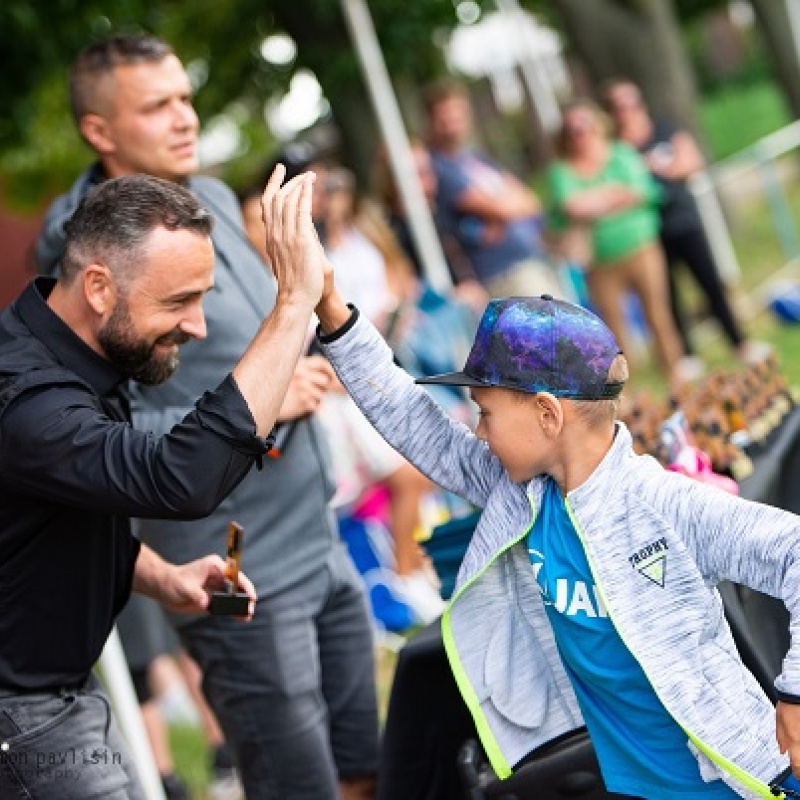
40 151
220 42
636 39
776 27
407 35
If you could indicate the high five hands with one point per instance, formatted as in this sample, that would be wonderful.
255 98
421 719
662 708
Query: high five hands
296 255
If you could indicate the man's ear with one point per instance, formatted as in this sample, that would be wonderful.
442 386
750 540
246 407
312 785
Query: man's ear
551 413
99 289
95 130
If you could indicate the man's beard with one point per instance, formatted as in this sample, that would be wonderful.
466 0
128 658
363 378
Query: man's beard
136 358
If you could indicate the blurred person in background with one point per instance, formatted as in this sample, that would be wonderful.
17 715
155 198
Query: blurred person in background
603 189
151 647
294 691
145 636
495 218
467 288
673 156
362 460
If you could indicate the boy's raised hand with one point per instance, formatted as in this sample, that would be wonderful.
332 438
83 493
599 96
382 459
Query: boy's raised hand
295 253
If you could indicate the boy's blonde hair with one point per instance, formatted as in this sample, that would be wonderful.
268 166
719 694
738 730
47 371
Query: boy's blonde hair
596 413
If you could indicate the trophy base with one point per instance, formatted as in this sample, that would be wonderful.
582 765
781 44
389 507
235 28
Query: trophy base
229 604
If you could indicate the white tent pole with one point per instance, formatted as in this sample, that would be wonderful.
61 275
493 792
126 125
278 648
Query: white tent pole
118 683
401 159
793 10
716 228
539 87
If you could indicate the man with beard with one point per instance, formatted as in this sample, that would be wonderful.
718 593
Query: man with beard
300 711
138 259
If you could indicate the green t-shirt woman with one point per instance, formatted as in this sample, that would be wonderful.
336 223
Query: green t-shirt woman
605 204
618 203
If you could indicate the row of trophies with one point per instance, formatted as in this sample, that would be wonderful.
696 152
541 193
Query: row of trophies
725 415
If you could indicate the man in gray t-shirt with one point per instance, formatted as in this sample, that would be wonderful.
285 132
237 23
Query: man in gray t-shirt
494 217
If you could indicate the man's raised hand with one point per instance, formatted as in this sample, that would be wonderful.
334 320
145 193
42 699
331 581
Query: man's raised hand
295 253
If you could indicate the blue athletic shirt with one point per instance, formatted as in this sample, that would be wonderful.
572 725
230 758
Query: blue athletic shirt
642 751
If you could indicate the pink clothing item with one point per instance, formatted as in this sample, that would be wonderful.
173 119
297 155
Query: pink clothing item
696 464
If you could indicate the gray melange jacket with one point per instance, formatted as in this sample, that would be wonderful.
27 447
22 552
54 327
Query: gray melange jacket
657 544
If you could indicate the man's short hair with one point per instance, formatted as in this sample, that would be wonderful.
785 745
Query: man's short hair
114 220
441 90
99 59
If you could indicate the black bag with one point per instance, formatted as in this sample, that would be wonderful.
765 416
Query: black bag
565 767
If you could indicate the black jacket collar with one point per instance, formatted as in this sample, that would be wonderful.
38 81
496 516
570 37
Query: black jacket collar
69 349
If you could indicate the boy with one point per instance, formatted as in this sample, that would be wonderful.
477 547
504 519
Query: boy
586 595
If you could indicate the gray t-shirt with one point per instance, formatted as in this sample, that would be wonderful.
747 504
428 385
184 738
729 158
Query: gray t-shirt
520 239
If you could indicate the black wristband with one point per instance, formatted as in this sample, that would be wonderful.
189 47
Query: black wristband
784 697
327 338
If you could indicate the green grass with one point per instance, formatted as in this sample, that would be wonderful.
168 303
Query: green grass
738 115
191 756
764 326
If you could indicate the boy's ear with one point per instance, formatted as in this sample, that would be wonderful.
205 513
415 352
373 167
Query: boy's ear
551 413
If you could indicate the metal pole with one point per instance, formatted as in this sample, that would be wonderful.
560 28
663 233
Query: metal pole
716 228
781 211
539 88
117 680
401 159
793 10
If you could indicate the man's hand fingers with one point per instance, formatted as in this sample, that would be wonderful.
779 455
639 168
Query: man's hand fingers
297 213
279 225
319 376
215 564
273 200
292 246
304 205
291 202
321 364
246 586
322 382
309 382
271 189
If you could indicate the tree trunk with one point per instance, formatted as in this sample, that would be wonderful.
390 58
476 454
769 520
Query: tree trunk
639 41
775 24
356 121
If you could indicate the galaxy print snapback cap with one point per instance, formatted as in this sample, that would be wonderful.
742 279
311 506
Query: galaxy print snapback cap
539 344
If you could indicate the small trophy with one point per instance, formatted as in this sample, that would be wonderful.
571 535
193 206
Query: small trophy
231 603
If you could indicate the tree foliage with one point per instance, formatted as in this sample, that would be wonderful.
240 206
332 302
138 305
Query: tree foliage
220 40
688 10
39 149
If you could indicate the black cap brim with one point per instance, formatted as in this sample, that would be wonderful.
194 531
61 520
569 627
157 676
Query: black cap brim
452 379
